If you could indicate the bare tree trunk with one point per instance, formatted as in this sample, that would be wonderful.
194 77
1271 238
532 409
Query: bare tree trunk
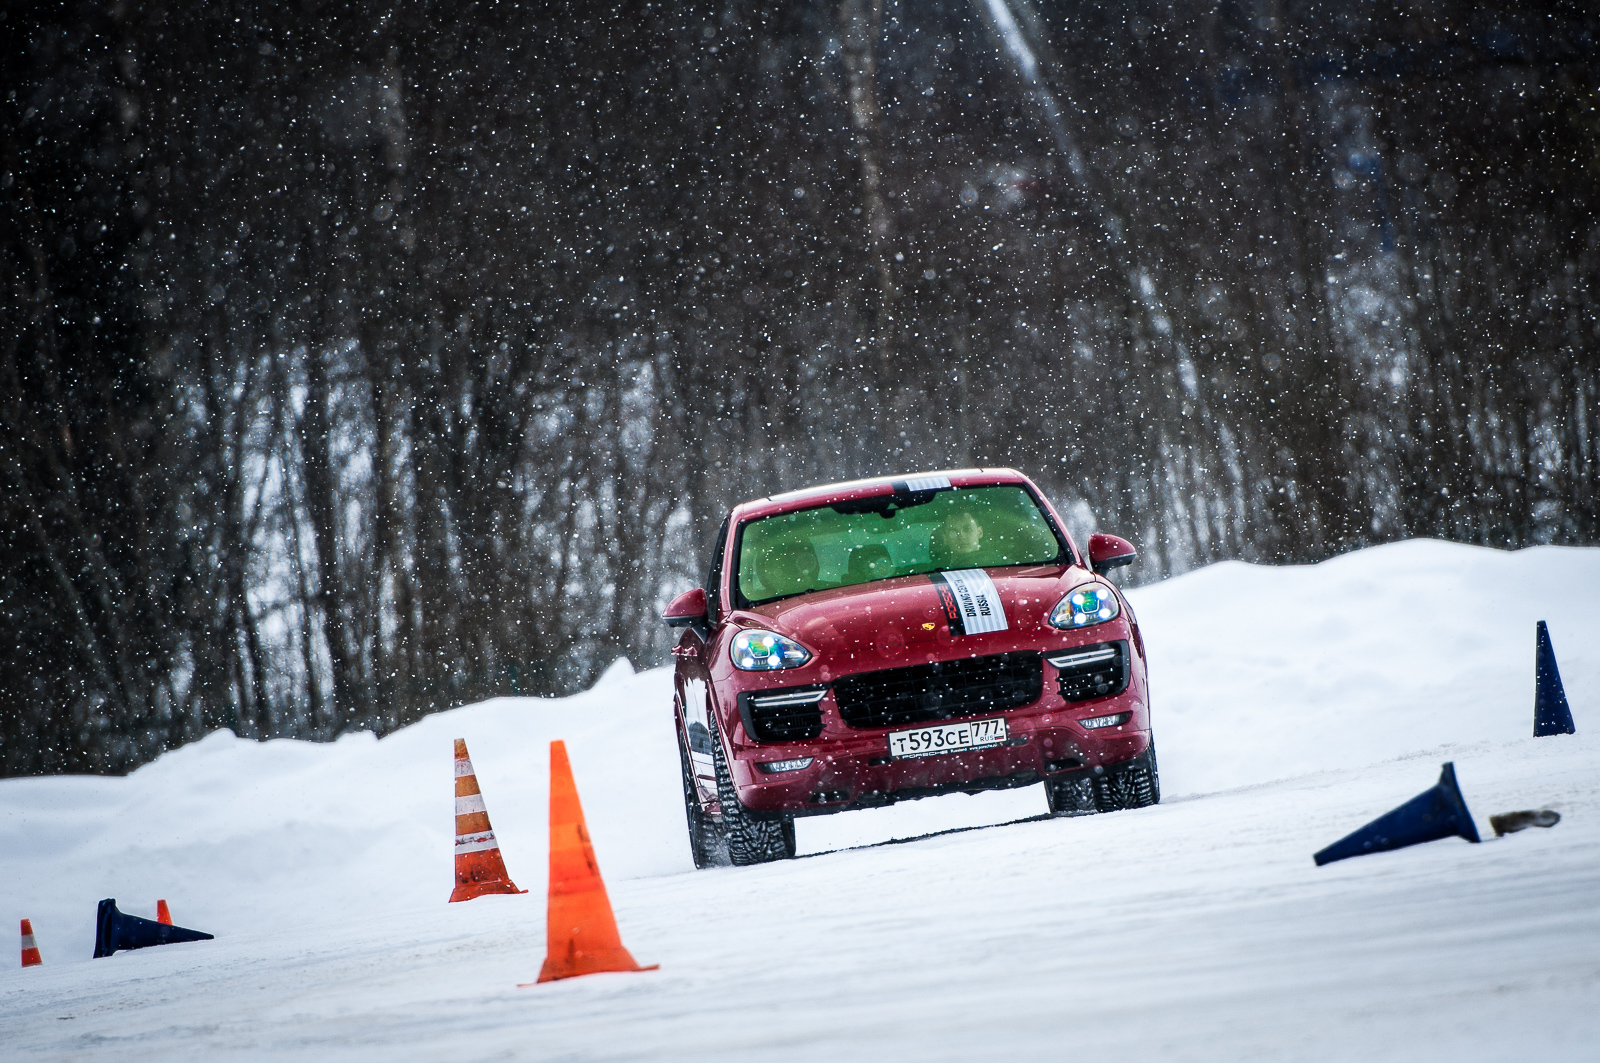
859 24
329 595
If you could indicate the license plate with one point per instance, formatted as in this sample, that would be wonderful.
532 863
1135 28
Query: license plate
947 738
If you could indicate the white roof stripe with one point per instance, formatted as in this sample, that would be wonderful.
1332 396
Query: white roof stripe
823 489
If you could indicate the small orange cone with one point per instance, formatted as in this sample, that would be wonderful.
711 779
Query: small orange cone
30 947
581 933
163 913
479 869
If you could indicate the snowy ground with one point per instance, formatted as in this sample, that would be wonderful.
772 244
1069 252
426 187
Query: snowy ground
1291 706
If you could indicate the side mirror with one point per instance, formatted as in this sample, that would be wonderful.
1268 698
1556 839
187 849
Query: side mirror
686 609
1107 552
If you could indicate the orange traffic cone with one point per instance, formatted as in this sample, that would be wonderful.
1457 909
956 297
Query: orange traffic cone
479 869
581 933
163 913
30 947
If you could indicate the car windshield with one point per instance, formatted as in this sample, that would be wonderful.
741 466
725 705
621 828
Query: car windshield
868 539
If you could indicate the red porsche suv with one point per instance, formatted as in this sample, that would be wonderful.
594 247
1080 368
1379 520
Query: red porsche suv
882 640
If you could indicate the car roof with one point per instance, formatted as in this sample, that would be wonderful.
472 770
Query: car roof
822 494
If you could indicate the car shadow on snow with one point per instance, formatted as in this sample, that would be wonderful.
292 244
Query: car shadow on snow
1043 817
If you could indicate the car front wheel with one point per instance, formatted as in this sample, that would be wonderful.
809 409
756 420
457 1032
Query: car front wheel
1070 797
750 840
1136 784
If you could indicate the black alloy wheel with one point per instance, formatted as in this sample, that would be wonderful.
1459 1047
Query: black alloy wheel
749 840
707 842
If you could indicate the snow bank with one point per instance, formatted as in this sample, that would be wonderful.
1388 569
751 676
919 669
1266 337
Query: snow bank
1257 674
234 832
1262 673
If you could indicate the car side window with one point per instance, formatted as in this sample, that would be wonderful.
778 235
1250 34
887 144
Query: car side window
714 577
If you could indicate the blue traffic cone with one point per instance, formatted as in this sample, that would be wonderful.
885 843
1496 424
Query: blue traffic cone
114 931
1551 713
1434 814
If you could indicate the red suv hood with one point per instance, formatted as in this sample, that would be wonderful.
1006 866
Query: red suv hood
903 622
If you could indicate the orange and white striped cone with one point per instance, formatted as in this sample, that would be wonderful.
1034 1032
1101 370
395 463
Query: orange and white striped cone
30 947
479 869
163 913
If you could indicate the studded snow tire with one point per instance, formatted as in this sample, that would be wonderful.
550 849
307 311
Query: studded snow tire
750 840
1135 784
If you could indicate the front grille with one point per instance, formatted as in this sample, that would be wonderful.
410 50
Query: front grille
792 714
940 691
1089 672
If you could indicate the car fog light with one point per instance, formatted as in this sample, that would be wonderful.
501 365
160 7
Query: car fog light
1092 603
773 766
1114 720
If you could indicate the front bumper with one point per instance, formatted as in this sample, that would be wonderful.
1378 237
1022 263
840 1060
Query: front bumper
851 767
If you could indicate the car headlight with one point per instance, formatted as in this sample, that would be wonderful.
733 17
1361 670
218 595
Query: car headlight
1092 603
766 651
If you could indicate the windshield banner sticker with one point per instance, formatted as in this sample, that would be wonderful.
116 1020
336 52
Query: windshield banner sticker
970 601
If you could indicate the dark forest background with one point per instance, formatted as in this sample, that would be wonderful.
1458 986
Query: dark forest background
360 359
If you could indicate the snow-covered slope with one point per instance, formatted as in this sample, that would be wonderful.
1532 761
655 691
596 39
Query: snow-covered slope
1291 705
1261 673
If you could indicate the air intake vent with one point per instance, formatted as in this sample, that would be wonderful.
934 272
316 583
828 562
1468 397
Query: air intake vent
793 714
943 690
1088 672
